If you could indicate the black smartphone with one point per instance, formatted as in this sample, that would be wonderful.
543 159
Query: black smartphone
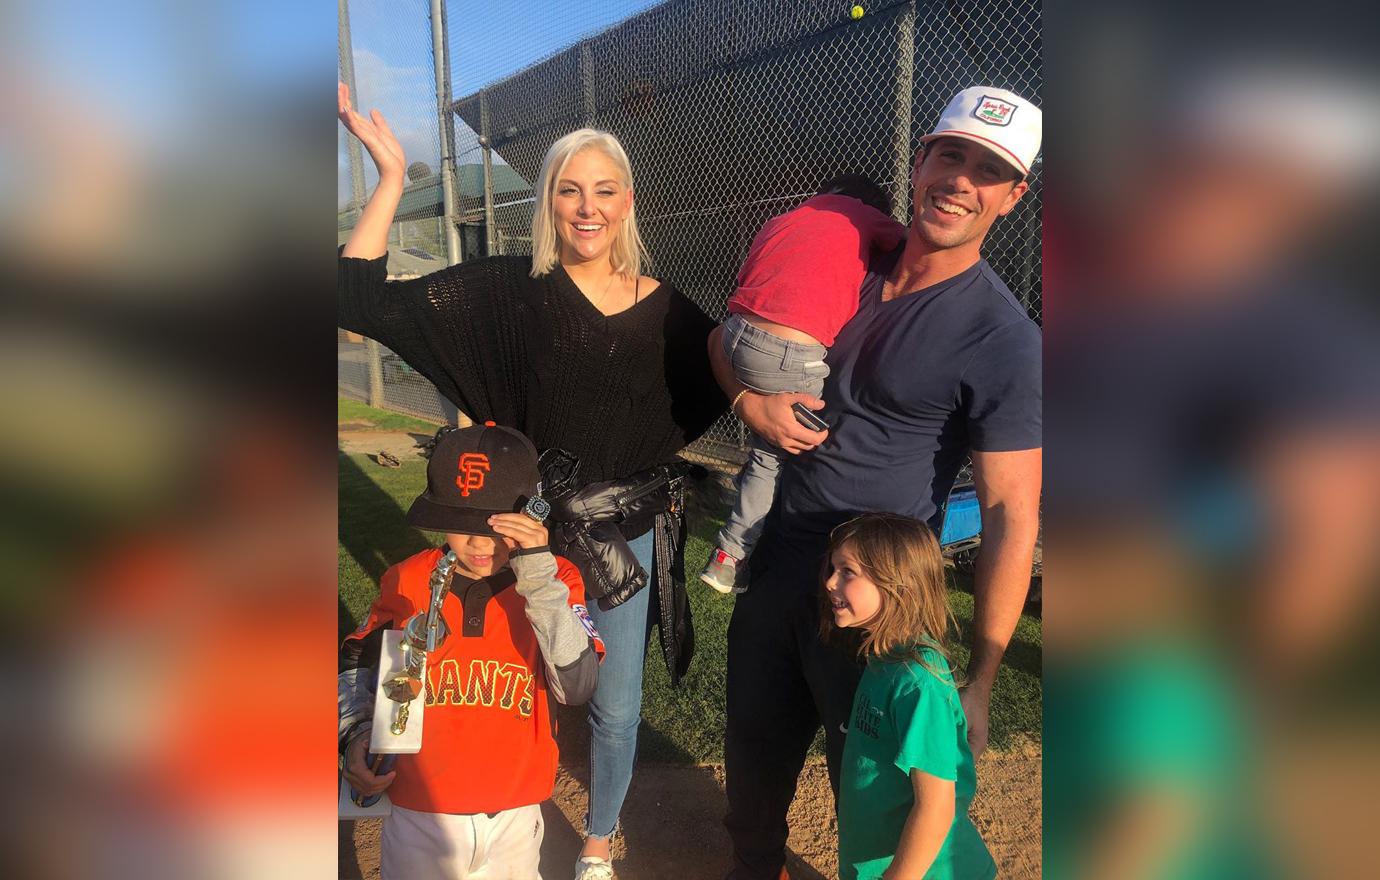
808 418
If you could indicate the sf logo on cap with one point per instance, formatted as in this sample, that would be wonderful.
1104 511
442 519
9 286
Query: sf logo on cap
473 466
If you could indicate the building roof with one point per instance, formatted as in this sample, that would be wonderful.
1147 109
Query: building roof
422 199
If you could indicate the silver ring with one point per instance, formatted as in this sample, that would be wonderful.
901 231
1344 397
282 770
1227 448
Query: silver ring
537 508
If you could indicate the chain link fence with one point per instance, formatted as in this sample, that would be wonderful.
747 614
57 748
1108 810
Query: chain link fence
386 54
733 113
393 384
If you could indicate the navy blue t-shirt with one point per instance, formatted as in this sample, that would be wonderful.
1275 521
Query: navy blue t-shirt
914 384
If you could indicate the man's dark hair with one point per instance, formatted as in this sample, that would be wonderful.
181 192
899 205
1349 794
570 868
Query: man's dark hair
860 187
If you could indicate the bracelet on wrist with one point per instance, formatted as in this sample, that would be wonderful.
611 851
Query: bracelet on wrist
733 407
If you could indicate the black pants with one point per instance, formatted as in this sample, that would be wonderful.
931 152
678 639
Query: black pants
783 682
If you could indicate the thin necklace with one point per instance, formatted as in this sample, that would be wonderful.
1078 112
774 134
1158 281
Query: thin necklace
604 293
607 288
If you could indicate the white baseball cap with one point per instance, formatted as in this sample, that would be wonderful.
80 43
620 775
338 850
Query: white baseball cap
1000 120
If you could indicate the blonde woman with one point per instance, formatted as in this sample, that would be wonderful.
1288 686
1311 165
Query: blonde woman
594 361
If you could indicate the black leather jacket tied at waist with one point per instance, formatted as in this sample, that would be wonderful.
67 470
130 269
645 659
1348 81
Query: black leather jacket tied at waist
589 526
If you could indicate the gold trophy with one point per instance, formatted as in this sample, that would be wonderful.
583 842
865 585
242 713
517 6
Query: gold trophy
422 634
399 699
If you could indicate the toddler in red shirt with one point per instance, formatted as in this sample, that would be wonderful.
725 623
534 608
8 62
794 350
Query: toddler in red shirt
797 288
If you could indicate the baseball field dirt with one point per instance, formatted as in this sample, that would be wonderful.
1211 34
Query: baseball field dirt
673 823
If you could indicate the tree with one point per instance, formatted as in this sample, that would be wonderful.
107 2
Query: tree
419 171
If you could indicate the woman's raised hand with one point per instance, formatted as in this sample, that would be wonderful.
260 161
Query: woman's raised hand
376 136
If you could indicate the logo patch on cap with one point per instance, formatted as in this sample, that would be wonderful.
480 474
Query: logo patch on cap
994 111
473 466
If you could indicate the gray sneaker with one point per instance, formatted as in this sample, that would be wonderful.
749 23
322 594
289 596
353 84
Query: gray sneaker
722 573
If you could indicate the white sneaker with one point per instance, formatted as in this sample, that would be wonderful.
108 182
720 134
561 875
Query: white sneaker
593 868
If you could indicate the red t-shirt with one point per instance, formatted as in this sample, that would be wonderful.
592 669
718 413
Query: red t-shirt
806 266
488 740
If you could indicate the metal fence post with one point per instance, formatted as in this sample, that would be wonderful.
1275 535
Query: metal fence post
372 357
905 98
347 73
489 237
439 56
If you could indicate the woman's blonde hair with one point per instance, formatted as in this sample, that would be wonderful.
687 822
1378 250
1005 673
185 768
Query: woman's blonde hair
901 556
628 253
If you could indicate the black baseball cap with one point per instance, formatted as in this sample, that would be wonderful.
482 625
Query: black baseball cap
473 474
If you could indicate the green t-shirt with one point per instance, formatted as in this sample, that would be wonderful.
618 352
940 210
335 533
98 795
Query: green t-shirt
1148 718
906 717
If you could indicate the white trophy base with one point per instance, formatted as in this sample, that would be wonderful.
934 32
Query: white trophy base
382 740
350 810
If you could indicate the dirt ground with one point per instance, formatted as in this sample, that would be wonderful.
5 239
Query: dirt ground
355 437
673 823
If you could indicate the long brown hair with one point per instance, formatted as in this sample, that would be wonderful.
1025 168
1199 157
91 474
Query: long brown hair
901 556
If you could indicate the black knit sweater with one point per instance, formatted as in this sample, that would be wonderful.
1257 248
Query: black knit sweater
621 392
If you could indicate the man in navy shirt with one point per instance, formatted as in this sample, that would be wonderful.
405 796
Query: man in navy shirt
940 362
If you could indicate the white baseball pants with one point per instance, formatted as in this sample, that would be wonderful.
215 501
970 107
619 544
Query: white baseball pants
445 846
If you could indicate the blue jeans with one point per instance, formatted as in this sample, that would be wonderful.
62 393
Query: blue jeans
615 710
772 365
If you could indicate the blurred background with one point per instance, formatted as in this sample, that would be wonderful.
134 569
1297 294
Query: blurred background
167 455
1207 289
1212 427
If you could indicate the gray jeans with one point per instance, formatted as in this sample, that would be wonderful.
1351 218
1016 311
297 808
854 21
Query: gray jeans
771 365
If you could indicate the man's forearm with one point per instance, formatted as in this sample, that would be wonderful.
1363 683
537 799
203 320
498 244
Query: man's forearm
1000 585
768 416
723 369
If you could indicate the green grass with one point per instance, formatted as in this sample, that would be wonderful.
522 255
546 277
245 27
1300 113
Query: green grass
383 420
372 535
684 725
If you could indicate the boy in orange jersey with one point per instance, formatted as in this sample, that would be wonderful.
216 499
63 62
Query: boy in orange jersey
468 803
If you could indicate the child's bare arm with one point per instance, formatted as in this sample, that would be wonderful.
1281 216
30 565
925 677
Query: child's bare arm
926 827
572 666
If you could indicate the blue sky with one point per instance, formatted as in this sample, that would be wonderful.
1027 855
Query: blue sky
163 66
488 41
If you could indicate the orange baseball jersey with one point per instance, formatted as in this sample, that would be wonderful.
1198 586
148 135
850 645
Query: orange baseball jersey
488 740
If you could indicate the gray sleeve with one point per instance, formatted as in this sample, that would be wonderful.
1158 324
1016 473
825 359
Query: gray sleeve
573 685
572 667
355 701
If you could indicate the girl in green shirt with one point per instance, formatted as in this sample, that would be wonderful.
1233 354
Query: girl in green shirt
908 774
